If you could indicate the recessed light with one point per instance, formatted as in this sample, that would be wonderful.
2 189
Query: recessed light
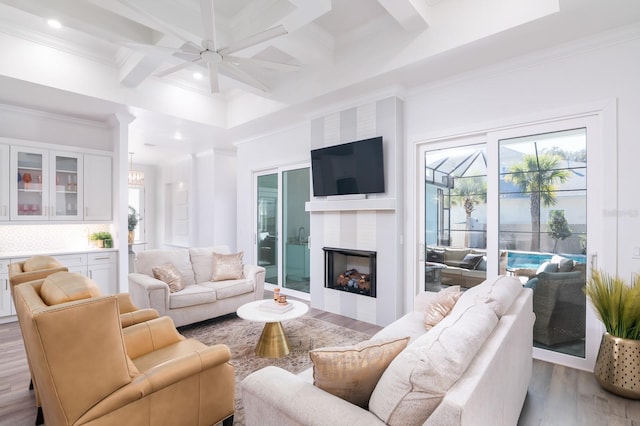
197 75
54 23
178 136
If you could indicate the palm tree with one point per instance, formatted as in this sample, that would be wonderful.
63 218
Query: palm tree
537 174
469 192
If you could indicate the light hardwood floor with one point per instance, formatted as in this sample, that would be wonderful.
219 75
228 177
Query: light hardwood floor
558 396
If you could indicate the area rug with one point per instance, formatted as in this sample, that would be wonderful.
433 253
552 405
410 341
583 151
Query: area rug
304 333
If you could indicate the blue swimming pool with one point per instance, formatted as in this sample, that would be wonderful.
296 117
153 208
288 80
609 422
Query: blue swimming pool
531 260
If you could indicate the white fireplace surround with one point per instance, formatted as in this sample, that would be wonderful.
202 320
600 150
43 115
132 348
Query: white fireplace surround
368 223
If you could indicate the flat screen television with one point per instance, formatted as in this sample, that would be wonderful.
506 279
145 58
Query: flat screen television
350 168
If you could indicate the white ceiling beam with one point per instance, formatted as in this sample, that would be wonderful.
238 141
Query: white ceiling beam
137 67
89 18
311 45
306 12
412 15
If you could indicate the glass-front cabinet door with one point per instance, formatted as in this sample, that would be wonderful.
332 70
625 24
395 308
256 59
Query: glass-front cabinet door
29 190
45 185
66 190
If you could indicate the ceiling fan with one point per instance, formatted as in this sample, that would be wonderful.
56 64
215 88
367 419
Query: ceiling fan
210 56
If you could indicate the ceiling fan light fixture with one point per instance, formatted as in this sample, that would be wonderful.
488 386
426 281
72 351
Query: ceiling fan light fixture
54 23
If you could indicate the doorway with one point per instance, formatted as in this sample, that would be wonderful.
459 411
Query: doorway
282 228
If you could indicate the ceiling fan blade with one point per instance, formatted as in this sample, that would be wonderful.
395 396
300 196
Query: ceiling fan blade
279 66
177 68
185 56
190 47
237 74
208 22
213 78
257 38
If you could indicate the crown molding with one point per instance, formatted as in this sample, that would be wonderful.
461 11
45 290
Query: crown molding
54 116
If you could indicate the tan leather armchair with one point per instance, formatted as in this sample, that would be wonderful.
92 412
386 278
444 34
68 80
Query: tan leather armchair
78 287
89 370
35 268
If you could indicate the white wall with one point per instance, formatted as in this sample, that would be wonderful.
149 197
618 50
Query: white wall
215 200
594 70
207 181
37 126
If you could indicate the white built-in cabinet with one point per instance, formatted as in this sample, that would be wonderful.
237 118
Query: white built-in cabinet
4 182
6 304
37 184
101 266
97 187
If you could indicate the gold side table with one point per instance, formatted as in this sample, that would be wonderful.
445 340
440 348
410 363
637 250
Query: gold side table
273 341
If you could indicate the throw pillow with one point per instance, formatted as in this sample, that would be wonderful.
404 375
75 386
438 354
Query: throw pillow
227 266
434 255
170 275
441 305
471 261
63 287
565 265
417 380
38 263
482 265
547 266
352 372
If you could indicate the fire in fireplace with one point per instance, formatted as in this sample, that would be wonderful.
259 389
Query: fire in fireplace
353 271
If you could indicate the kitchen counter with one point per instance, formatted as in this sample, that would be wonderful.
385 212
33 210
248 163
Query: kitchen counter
59 252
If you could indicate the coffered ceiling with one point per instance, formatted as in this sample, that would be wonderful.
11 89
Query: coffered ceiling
114 55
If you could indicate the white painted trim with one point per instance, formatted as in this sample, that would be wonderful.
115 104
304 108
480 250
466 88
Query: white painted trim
60 117
53 147
605 114
351 205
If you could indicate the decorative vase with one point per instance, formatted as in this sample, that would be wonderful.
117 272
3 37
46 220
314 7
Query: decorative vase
132 236
617 366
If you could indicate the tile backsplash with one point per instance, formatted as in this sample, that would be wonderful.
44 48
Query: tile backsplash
47 238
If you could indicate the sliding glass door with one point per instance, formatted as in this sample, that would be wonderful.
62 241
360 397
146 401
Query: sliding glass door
282 234
267 226
515 202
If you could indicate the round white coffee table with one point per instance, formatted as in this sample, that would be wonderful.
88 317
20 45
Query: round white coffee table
273 342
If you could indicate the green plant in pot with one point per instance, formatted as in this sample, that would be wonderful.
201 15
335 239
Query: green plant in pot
132 223
102 239
617 304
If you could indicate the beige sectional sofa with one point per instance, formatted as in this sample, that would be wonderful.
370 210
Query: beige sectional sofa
457 271
472 368
201 298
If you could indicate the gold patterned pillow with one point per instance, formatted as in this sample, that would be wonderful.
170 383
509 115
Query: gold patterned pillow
441 305
227 266
352 372
170 275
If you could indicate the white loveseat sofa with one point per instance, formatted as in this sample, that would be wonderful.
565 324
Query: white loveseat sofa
201 298
481 352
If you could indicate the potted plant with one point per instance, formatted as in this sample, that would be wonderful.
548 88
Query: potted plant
102 239
617 304
133 219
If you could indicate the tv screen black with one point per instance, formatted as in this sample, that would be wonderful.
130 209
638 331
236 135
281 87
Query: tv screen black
350 168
